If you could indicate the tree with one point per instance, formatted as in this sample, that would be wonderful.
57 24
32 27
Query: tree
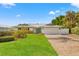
77 19
58 20
70 20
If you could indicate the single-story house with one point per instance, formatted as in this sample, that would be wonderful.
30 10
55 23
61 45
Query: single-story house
4 28
45 29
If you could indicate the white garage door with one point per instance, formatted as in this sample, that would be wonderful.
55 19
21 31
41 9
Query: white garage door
50 31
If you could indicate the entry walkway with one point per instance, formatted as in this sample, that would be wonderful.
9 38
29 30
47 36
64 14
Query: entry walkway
65 45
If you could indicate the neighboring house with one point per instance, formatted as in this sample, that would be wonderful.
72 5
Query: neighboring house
46 29
4 28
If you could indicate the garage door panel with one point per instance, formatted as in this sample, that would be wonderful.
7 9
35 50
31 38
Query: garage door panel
50 30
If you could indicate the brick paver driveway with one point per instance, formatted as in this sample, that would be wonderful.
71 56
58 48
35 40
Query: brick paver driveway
65 45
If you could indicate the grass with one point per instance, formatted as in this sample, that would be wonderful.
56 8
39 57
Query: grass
32 45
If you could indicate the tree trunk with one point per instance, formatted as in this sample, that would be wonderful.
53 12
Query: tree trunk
69 30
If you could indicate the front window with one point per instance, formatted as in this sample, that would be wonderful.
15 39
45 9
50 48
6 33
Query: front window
19 28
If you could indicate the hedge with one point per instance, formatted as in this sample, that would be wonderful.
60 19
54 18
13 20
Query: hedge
7 38
75 30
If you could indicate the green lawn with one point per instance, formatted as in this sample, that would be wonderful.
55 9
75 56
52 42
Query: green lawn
32 45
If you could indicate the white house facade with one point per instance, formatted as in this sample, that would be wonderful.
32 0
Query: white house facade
47 29
54 30
37 28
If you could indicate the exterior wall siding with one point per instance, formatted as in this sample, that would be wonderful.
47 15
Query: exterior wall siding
50 30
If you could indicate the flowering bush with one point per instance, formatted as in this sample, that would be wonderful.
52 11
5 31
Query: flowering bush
20 33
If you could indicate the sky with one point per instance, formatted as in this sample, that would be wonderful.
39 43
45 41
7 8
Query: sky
32 13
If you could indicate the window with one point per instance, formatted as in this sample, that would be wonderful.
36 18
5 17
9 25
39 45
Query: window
19 28
28 28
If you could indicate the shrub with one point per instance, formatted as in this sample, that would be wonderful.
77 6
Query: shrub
6 33
7 38
20 34
75 30
29 32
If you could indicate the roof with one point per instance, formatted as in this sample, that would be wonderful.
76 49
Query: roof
4 26
55 26
39 25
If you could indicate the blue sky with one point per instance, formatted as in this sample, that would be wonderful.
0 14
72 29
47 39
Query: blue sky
13 14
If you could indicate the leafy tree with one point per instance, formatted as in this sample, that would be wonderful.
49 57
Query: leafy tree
77 19
58 20
70 20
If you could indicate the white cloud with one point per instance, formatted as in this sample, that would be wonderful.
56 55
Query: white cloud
18 15
57 11
75 3
54 12
7 5
51 13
